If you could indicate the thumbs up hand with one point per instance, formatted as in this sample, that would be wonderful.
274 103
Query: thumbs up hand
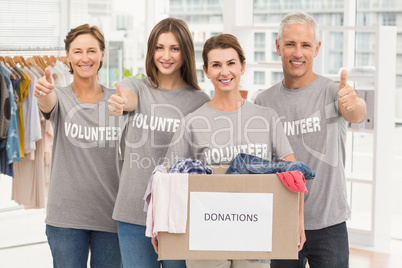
117 102
45 85
347 95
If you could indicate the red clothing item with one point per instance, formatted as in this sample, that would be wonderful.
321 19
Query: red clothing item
294 181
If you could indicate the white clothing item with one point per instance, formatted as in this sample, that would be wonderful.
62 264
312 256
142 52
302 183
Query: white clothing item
148 191
68 77
167 211
32 127
35 72
57 81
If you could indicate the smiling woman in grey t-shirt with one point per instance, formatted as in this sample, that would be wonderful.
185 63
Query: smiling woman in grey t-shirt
228 125
156 105
85 169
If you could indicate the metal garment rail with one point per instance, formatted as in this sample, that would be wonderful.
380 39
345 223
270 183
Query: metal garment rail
50 49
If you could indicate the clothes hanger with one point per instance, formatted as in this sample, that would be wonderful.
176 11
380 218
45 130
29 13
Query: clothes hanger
63 59
17 60
47 61
21 60
13 73
31 61
38 63
43 62
45 65
13 66
10 61
53 59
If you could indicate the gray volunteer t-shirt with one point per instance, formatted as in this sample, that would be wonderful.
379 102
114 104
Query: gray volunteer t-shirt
149 131
215 137
85 170
317 134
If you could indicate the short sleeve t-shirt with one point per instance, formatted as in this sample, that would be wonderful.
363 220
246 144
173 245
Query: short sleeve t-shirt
148 133
317 134
85 169
215 137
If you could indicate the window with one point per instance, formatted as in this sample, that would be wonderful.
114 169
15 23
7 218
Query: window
259 56
274 36
399 81
198 56
175 5
200 76
364 19
363 59
259 78
399 64
336 41
274 54
363 4
276 77
399 44
215 19
364 41
275 57
199 37
23 22
215 33
337 19
215 5
388 18
335 62
259 40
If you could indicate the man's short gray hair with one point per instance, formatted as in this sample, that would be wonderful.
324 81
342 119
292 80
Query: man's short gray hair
298 17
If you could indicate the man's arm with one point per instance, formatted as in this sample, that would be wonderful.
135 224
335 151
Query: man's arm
353 108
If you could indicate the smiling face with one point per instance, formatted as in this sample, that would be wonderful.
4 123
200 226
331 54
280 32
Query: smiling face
167 56
224 69
297 49
85 56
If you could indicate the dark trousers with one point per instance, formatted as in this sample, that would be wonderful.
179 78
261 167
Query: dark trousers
324 248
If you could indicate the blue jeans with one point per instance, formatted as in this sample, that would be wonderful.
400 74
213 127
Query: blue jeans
249 164
70 248
327 247
137 249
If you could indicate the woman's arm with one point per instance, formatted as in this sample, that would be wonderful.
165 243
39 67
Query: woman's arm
124 100
46 98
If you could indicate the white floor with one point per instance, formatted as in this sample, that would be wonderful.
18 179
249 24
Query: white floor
23 240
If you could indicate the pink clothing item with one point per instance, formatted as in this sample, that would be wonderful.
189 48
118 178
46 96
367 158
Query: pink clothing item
293 180
148 191
167 210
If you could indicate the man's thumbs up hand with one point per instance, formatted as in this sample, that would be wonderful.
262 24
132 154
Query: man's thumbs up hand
347 95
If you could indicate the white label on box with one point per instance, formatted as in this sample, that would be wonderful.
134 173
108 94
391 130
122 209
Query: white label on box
230 221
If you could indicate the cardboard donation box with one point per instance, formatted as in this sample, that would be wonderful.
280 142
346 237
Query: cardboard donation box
235 217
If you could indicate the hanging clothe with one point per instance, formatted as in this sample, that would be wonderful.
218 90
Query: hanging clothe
25 152
32 174
9 148
5 109
26 138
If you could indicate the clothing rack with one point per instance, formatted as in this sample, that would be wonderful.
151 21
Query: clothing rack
60 49
6 204
27 49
